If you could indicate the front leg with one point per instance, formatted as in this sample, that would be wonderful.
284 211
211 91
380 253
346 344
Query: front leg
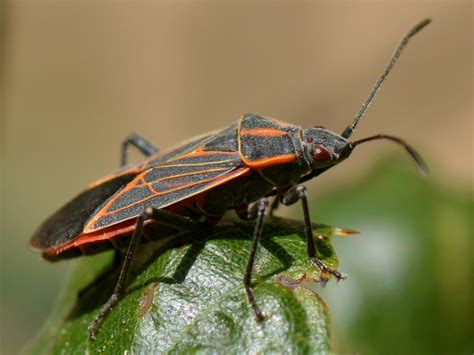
292 196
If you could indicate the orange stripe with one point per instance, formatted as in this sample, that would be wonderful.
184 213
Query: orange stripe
121 228
149 184
218 180
266 162
217 162
197 153
104 211
94 237
265 132
188 174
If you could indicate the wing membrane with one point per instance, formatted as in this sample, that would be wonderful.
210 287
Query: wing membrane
167 183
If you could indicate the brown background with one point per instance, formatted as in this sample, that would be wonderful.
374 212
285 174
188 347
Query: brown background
77 77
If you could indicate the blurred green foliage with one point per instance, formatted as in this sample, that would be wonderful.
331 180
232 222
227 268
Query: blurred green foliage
411 276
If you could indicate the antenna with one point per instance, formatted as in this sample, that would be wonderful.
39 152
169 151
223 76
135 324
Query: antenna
420 163
350 129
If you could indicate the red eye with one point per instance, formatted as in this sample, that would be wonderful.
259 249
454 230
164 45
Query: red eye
321 154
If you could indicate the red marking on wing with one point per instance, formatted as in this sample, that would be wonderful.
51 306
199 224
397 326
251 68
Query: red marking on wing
175 187
266 162
200 152
83 239
136 169
212 182
182 175
265 132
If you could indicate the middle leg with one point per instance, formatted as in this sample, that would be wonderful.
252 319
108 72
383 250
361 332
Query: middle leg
255 212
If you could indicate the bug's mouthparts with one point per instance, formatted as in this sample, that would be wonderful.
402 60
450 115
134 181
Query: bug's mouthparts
420 163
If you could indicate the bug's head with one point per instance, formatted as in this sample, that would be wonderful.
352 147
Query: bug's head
323 148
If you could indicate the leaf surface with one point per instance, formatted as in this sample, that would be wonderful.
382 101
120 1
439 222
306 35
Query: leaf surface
190 298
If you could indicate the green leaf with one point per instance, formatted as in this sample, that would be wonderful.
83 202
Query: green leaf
191 298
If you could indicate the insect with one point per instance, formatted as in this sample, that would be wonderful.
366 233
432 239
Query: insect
191 186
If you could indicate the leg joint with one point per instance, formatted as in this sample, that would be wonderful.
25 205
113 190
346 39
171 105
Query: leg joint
294 194
257 209
148 213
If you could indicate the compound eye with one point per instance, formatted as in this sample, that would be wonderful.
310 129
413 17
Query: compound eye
321 154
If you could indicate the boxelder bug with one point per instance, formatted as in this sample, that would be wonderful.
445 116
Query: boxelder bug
241 165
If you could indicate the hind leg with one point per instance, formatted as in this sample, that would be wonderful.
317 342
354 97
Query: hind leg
160 216
145 147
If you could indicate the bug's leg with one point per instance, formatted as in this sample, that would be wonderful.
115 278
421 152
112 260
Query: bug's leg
276 202
274 206
292 196
145 147
160 216
257 212
121 282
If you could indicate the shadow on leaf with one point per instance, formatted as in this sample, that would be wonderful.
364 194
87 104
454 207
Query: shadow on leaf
97 293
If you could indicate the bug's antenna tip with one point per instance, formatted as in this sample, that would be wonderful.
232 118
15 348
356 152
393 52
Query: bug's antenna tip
422 24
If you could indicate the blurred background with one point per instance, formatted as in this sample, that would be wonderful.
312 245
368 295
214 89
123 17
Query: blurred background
77 77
